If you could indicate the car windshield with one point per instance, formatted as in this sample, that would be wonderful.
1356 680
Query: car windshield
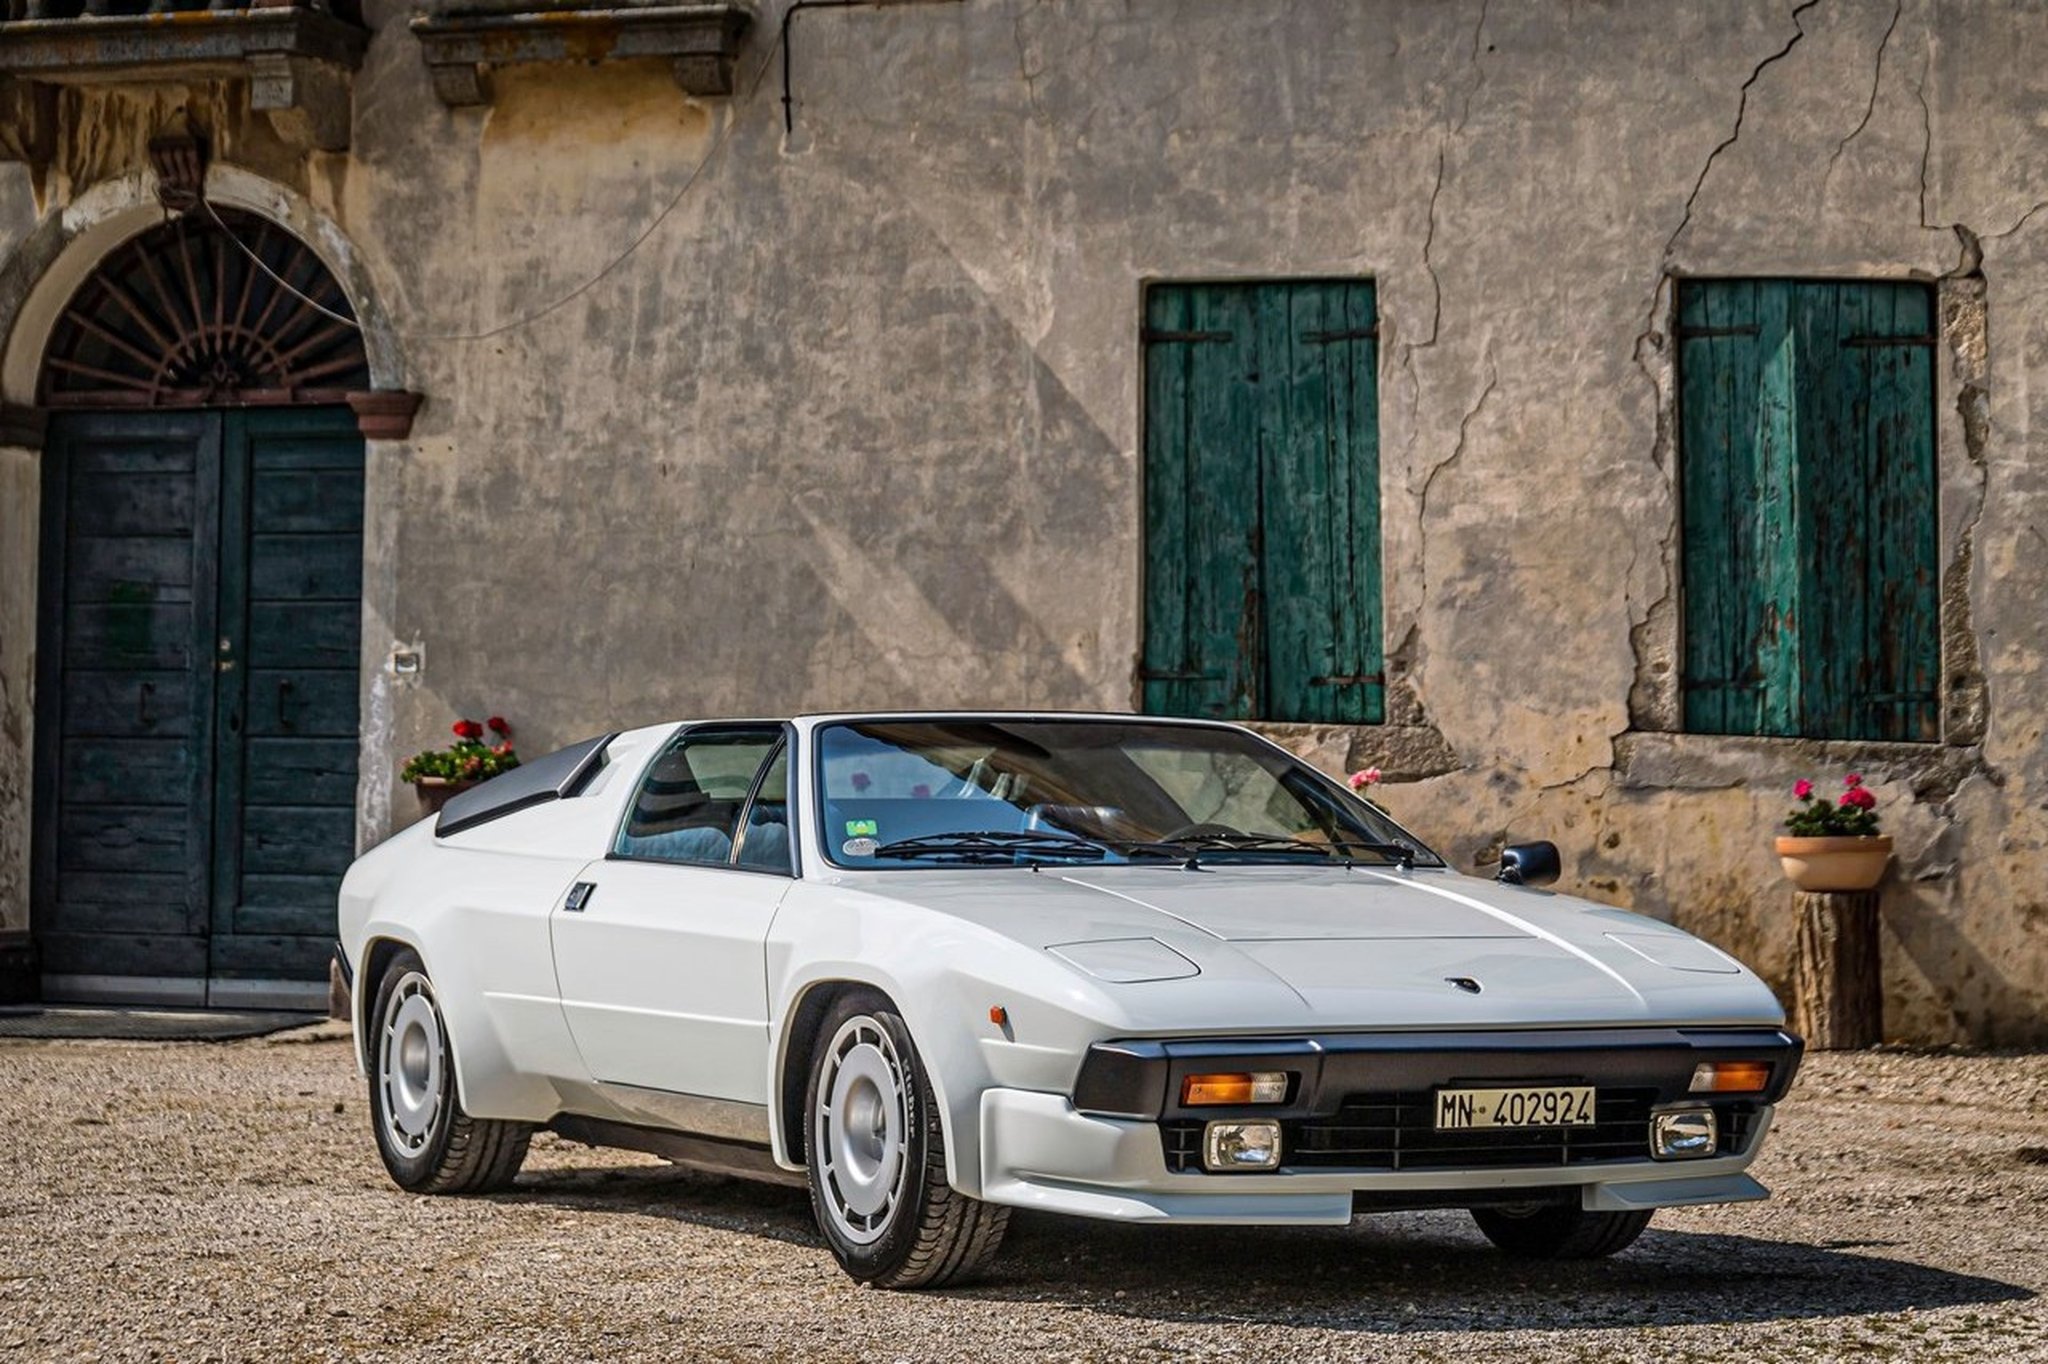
913 793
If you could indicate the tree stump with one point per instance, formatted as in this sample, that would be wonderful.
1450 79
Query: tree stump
1837 987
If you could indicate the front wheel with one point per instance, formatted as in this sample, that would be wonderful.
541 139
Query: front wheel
1559 1232
428 1143
876 1156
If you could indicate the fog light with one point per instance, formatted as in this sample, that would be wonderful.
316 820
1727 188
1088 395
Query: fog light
1241 1146
1731 1077
1683 1134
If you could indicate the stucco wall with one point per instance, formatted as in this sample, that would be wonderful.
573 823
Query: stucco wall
857 422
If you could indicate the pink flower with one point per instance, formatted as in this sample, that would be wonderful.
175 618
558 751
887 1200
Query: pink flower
1801 789
1852 781
1856 797
1358 781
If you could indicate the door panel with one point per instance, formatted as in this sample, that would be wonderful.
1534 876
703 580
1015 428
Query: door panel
663 977
122 825
291 627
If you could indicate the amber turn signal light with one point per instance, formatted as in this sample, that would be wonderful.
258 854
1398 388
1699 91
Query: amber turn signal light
1731 1077
1244 1087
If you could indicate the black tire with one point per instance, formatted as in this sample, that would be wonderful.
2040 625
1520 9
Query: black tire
431 1145
929 1234
1560 1231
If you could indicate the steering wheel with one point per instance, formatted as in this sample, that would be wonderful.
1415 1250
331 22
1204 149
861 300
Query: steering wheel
1202 831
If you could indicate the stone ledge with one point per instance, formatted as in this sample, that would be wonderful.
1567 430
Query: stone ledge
298 61
1651 760
461 42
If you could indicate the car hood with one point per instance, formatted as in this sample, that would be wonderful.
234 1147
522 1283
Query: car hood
1325 946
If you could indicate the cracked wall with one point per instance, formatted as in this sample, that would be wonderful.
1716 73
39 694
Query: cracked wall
858 421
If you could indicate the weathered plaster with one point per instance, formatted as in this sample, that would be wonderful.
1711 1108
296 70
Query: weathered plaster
721 422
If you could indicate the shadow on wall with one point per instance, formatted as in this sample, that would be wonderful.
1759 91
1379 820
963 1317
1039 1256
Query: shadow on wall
1394 1273
1937 981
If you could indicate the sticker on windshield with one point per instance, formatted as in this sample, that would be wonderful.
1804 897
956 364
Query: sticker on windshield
856 828
859 847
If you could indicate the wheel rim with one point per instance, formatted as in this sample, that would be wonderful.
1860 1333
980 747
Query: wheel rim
413 1056
861 1130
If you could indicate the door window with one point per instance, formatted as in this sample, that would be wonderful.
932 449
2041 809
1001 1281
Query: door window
690 803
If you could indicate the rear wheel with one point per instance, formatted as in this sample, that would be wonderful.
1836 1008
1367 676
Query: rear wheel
876 1156
428 1143
1559 1232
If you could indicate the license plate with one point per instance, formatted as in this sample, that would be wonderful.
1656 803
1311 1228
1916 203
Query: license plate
1539 1106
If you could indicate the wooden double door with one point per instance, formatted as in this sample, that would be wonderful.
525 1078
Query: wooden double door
201 588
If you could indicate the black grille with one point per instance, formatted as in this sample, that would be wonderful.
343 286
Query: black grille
1397 1131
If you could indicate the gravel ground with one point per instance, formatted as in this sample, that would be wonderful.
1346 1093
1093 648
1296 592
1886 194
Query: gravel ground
223 1202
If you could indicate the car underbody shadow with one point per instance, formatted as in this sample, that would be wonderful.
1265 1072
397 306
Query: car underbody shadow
1434 1272
1388 1273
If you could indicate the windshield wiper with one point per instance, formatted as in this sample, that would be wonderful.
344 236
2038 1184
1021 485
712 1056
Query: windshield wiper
1192 847
992 845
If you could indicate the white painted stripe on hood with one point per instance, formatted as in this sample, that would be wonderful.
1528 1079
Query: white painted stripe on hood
1504 917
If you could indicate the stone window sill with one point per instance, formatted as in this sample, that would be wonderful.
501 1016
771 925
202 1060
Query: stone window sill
298 61
1657 760
462 40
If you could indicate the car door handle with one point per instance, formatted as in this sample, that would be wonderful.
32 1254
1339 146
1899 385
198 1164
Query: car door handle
579 896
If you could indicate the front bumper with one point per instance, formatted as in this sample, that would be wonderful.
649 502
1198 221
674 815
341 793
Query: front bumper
1038 1152
1113 1150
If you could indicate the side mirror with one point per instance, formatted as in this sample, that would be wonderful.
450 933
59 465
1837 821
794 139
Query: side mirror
1529 864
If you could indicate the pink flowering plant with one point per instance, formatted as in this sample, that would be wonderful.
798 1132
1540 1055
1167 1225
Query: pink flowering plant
1851 815
472 757
1362 781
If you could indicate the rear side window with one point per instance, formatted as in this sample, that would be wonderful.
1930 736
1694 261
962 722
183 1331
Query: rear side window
690 803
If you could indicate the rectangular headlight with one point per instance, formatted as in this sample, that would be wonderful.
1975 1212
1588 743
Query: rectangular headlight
1731 1077
1684 1134
1241 1087
1241 1145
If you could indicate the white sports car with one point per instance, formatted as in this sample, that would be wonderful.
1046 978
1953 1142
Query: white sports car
939 966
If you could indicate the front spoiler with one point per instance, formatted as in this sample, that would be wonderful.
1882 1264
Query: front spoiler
1039 1152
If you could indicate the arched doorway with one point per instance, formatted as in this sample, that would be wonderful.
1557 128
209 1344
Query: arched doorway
199 620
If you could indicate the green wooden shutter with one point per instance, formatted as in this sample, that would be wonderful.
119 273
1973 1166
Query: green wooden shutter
1262 502
1319 436
1202 634
1809 521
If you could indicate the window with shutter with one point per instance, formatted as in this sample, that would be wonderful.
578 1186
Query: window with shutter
1808 488
1262 527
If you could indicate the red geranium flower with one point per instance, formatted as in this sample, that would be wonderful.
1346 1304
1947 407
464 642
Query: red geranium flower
1801 789
497 725
1856 797
468 729
1852 781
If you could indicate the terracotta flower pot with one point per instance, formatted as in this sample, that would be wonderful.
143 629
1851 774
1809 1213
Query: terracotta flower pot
1835 863
435 792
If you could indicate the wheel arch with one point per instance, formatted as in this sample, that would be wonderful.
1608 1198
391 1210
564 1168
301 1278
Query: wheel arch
940 1062
377 954
797 1038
